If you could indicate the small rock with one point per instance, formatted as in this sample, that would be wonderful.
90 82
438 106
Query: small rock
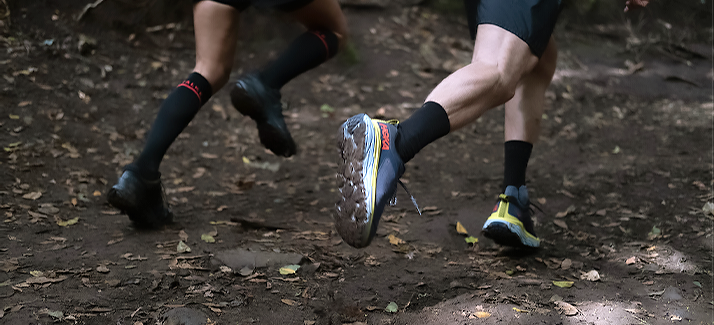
671 294
183 316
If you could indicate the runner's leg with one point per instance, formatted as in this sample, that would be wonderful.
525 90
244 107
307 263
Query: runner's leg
326 27
215 27
499 62
523 116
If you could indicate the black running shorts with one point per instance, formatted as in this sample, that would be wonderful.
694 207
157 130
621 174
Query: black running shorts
531 20
282 5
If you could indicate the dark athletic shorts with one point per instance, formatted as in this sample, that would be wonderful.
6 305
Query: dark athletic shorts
282 5
531 20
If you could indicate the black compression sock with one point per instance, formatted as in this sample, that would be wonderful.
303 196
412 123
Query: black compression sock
427 124
175 113
309 50
517 154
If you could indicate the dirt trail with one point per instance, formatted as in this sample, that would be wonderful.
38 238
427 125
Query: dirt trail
622 174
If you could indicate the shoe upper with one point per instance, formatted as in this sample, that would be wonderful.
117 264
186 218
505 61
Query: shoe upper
519 206
389 169
251 97
265 98
142 199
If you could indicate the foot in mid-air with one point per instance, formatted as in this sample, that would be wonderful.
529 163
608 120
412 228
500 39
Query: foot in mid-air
251 97
510 223
141 199
368 173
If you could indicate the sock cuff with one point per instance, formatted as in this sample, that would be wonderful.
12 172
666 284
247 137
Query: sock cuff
329 40
438 115
199 85
518 145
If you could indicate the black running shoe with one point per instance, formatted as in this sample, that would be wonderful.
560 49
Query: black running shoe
367 178
261 103
142 200
510 222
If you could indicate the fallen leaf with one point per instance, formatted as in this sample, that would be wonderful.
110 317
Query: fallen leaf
569 210
696 283
565 308
561 224
460 229
97 193
471 239
482 314
209 155
69 222
563 284
631 260
590 276
14 117
566 264
32 196
289 302
394 240
182 247
654 233
391 307
208 238
289 269
520 310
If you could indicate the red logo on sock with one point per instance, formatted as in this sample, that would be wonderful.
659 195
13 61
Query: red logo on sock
385 136
192 86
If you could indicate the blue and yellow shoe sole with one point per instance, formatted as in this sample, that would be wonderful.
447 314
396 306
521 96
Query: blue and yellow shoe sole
505 229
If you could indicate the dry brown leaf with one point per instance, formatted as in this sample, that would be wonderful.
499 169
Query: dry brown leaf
461 229
394 240
561 224
482 314
631 260
289 302
32 196
565 308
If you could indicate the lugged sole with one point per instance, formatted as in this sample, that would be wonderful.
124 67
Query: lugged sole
508 234
355 177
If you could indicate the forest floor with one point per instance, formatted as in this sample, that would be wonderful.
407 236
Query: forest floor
622 174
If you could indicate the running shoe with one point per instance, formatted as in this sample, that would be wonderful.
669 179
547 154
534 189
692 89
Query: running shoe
367 177
262 104
142 200
510 223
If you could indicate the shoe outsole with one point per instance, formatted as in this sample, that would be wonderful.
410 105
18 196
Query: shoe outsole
353 214
275 138
139 218
508 234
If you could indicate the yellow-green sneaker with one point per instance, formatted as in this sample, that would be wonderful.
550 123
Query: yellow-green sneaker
510 223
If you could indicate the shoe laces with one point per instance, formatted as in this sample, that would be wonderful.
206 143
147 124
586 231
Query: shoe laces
393 201
531 205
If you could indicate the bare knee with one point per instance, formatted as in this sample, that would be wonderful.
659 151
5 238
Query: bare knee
505 85
216 73
545 68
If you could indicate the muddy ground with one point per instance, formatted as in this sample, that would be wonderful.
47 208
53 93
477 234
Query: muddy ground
622 174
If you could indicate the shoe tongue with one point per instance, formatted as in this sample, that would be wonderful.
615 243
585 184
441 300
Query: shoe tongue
520 194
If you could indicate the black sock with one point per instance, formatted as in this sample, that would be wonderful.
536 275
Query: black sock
309 50
427 124
517 154
175 113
